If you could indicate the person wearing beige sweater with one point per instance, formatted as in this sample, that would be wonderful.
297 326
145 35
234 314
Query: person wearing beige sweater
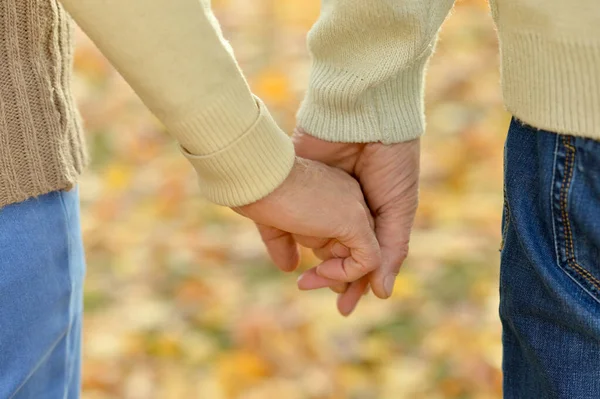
358 132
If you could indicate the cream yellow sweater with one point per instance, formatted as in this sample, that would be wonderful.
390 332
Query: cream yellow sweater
366 83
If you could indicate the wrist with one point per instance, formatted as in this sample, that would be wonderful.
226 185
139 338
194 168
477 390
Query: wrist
249 168
278 192
340 155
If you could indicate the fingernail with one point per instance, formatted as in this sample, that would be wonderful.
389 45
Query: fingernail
338 250
388 284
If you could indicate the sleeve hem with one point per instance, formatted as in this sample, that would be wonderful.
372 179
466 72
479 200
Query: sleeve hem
249 168
339 107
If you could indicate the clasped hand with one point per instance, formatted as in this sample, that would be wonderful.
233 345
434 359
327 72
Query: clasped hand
353 205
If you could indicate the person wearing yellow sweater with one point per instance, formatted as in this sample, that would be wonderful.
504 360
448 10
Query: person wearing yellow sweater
362 116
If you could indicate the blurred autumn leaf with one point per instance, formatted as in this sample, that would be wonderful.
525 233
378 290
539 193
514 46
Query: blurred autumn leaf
181 299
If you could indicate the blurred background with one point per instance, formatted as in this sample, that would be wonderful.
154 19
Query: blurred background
181 299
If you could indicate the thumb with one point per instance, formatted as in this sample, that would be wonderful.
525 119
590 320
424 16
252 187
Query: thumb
393 233
281 247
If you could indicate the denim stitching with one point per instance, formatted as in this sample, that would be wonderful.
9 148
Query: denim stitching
569 164
506 207
564 193
553 187
68 367
43 358
582 272
506 221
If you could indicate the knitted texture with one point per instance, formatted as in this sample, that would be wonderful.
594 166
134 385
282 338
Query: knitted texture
41 142
366 85
369 59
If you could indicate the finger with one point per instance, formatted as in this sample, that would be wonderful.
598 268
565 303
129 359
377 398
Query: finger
333 249
346 269
324 248
365 255
393 231
389 177
339 288
310 280
312 242
281 247
346 302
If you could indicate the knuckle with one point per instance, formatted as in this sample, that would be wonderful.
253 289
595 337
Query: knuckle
368 263
360 218
356 269
350 227
403 253
354 185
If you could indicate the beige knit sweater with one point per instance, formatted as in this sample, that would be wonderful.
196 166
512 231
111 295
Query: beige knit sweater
366 83
41 145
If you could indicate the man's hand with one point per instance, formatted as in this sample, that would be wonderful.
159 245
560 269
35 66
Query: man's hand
389 177
322 208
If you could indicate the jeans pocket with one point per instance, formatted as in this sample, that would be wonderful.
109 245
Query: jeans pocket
576 210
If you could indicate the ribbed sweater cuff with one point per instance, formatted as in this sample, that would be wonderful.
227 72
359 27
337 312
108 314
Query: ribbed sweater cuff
339 107
247 169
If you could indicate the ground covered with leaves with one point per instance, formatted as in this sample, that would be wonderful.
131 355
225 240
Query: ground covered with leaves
181 299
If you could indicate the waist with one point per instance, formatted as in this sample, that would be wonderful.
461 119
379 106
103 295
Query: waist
552 83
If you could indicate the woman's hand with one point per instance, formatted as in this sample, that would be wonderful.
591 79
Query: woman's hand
322 208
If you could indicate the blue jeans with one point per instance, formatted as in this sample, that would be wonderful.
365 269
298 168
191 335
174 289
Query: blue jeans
550 271
41 278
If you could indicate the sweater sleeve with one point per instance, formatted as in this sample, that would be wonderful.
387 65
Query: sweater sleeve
173 55
367 77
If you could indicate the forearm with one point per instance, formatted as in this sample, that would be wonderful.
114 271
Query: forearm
367 79
172 54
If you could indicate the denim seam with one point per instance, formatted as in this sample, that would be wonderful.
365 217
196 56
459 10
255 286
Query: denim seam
564 194
506 221
39 363
70 326
506 207
555 232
